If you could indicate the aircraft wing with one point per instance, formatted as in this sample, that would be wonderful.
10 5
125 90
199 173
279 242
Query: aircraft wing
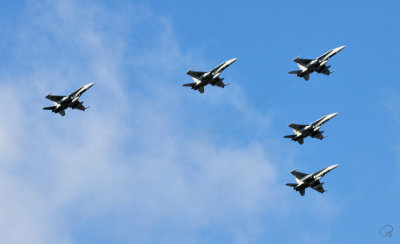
195 74
220 83
319 136
79 106
318 187
54 98
325 71
297 126
302 61
298 175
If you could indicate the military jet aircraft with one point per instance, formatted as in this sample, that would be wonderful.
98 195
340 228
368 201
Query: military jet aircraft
309 180
201 79
307 66
302 131
71 101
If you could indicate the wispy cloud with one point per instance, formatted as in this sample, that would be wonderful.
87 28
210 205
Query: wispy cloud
128 169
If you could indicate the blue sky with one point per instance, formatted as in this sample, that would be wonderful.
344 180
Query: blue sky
153 162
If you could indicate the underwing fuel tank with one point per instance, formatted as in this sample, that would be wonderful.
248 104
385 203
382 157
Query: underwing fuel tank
216 76
75 100
324 62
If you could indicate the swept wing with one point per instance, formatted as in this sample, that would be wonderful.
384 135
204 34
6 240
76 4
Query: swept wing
79 106
303 61
325 71
298 175
318 186
195 74
54 98
297 126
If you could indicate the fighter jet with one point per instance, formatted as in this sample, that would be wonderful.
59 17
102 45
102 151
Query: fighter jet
310 180
201 79
307 66
302 131
71 101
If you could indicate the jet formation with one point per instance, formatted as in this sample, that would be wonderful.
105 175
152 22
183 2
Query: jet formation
201 79
212 77
309 180
307 66
303 131
71 101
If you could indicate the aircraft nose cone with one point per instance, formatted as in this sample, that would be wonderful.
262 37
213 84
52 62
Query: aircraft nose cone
90 84
333 115
340 48
334 166
231 61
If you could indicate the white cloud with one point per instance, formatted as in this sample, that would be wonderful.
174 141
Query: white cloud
128 164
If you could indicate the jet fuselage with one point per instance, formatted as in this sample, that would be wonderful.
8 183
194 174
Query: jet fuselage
70 101
312 130
315 65
310 180
211 77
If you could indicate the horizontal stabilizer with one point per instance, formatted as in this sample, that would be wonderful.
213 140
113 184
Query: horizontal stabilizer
189 84
49 108
294 72
289 136
291 184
